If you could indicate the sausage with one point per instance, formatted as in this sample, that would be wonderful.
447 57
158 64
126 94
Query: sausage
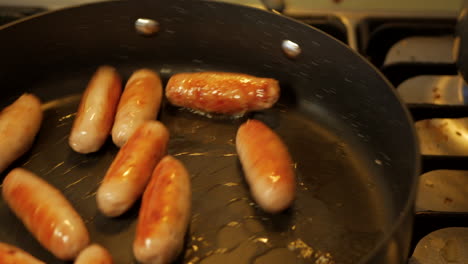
12 255
46 213
140 101
222 92
95 114
130 171
94 254
267 166
19 124
164 213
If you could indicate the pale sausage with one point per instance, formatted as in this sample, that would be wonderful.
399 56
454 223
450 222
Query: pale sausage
94 254
12 255
140 101
222 92
267 166
95 115
131 169
164 214
19 124
46 213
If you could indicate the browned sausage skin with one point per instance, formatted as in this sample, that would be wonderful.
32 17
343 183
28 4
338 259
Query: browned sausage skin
95 114
12 255
140 101
267 166
130 171
222 92
46 213
164 213
19 124
94 254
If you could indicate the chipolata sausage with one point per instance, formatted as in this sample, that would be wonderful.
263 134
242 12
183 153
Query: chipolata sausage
130 171
13 255
267 166
140 101
94 254
46 213
222 92
164 214
95 115
19 124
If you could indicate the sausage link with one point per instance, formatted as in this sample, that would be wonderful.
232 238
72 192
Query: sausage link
130 171
140 101
164 214
95 114
46 213
267 166
12 255
94 254
222 92
19 124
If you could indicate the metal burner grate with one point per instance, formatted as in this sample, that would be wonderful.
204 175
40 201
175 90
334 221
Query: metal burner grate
443 157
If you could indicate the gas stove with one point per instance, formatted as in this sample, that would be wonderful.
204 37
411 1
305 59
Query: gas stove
410 42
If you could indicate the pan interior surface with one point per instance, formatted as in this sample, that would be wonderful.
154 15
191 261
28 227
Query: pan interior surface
341 209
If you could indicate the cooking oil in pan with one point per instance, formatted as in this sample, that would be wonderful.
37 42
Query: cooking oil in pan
336 217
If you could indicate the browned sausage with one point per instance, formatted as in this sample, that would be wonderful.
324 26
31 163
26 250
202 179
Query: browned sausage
94 254
164 213
267 166
12 255
46 213
19 124
95 114
140 101
222 92
130 171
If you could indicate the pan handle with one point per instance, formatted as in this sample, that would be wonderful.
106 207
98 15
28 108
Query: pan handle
274 5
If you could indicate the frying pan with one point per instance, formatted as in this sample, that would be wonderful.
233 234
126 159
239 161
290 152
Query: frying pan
351 139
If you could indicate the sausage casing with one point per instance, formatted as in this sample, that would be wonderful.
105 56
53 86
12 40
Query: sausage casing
222 92
267 166
140 101
131 169
94 254
19 124
46 213
10 254
164 213
95 115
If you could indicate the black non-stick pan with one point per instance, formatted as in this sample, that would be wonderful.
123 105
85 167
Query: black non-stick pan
351 139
